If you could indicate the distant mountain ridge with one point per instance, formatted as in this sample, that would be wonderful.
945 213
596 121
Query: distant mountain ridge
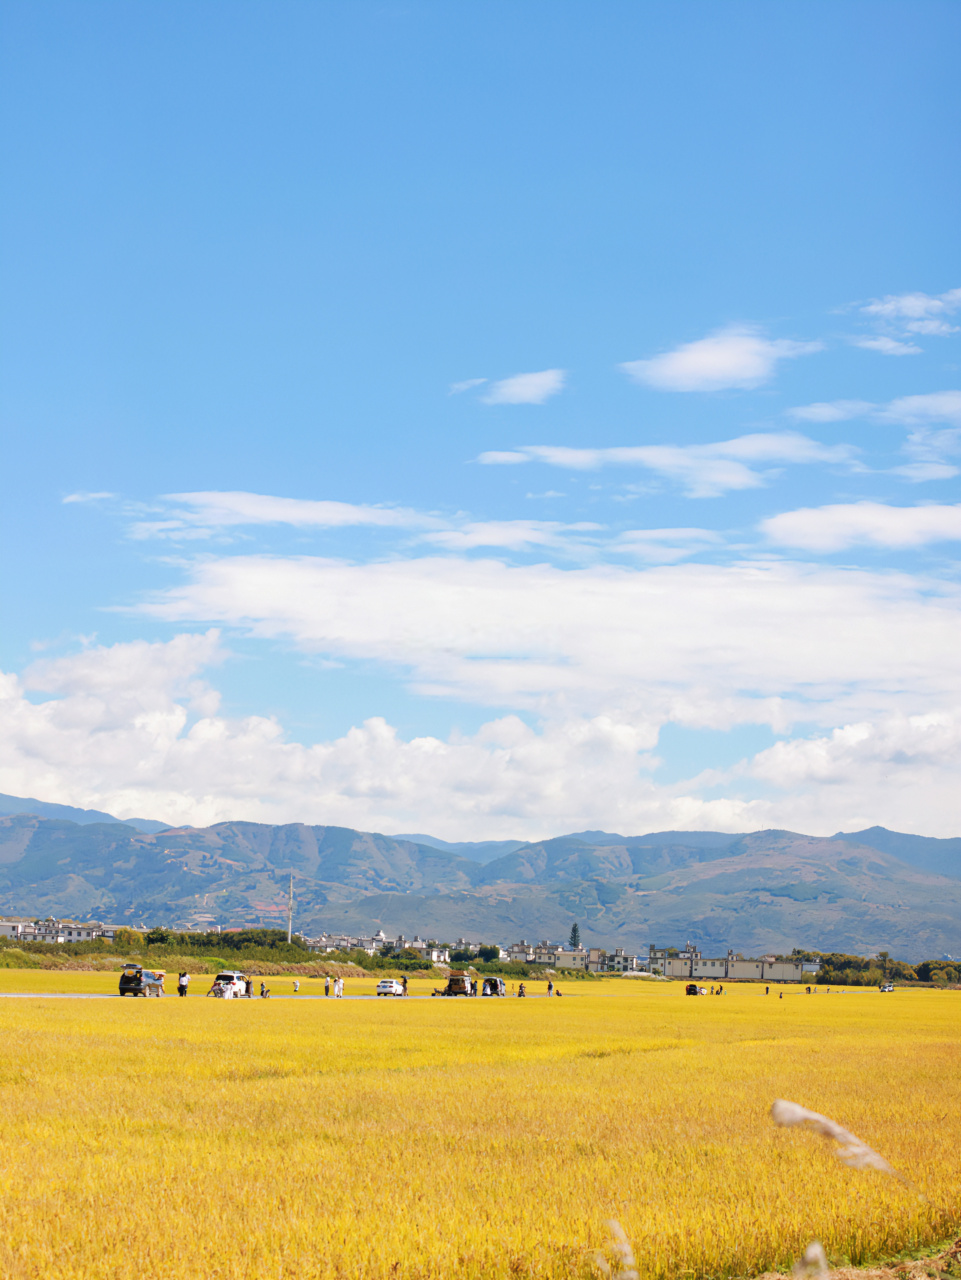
24 804
768 890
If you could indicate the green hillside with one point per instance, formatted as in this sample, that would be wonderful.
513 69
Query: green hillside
771 890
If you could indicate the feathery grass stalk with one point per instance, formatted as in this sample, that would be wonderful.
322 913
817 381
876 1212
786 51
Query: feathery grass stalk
852 1151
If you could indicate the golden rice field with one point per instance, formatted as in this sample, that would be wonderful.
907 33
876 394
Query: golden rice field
267 1140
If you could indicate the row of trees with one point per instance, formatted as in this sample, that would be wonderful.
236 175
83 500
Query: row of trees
862 971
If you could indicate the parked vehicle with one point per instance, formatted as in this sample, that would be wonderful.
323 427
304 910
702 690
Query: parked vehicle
153 980
131 981
229 985
692 989
493 987
887 986
390 987
458 984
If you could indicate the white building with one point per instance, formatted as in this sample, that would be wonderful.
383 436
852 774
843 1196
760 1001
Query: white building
52 930
521 952
689 963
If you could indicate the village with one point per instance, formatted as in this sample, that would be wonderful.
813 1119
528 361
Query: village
667 962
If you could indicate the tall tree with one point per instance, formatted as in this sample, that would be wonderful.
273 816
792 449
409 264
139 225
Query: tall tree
575 936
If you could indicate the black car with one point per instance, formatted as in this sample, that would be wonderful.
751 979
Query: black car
132 981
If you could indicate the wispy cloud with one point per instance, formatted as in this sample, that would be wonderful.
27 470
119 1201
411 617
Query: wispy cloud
191 516
527 388
509 534
844 525
704 470
88 497
936 406
457 387
917 312
900 318
202 514
736 357
665 546
831 410
908 411
888 346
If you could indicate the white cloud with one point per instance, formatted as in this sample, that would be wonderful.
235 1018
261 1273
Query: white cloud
457 387
917 312
665 546
871 767
919 472
527 388
927 448
899 318
835 528
929 451
887 346
704 470
935 406
509 534
503 457
135 730
87 497
199 515
735 357
831 410
700 644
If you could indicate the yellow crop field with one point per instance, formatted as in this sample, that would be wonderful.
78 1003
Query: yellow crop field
383 1139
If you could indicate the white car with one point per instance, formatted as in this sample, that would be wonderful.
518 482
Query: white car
229 985
887 986
390 987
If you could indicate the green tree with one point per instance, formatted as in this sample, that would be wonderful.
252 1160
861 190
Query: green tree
489 953
575 936
128 940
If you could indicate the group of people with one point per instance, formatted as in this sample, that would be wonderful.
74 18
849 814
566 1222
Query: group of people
219 989
338 985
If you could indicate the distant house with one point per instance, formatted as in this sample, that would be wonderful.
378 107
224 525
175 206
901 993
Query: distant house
689 963
16 927
586 959
431 951
52 930
522 952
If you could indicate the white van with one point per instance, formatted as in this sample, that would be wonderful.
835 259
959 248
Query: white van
231 984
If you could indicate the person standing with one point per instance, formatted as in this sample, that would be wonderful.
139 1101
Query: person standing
403 983
296 986
327 985
182 983
550 986
338 988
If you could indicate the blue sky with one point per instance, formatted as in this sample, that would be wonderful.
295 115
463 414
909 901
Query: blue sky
487 419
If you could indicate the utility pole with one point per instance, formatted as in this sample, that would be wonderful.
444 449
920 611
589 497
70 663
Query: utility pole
290 908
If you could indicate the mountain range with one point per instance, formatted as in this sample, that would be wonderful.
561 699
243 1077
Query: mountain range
762 891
